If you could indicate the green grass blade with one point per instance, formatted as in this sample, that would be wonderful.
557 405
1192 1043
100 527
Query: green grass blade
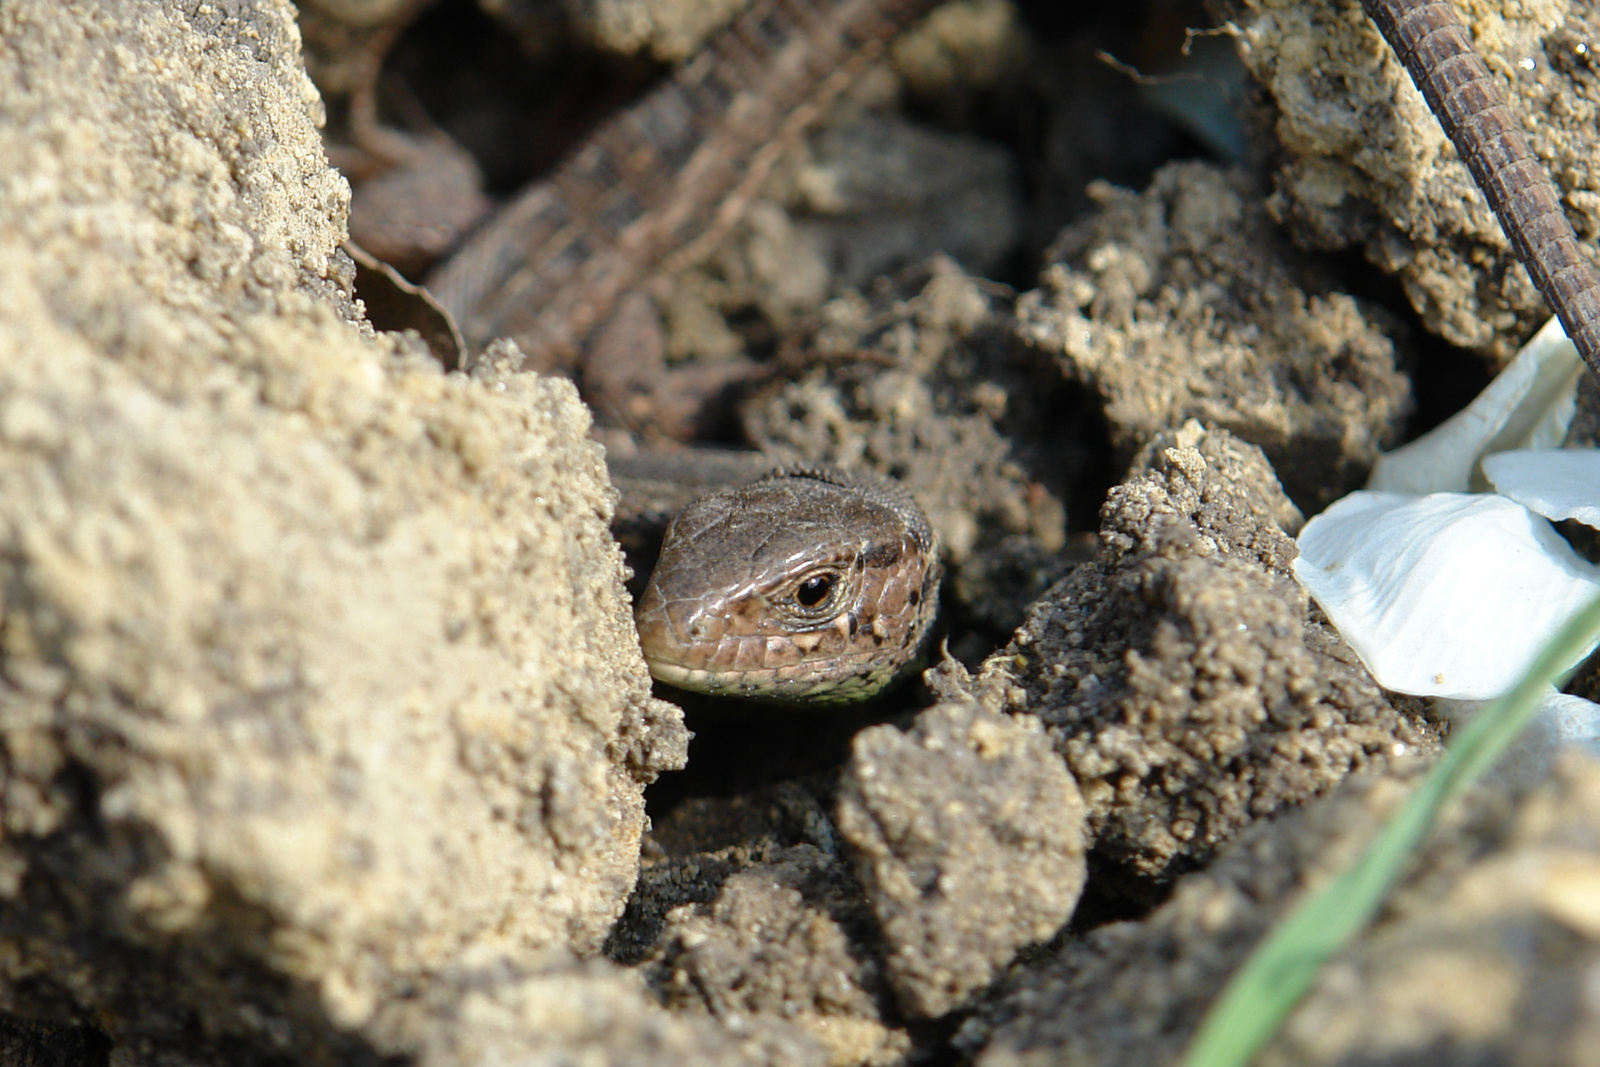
1278 973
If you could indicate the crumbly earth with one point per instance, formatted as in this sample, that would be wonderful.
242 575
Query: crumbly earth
1485 953
968 834
1362 162
786 945
1185 301
693 849
317 679
1181 674
747 909
835 916
561 1013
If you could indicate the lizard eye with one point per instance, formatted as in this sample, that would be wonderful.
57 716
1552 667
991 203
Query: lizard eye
814 590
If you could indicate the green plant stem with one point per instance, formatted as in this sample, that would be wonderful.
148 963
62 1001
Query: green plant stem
1278 973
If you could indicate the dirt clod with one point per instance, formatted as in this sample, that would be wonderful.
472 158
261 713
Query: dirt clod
782 943
969 836
1181 674
1185 301
1363 162
317 677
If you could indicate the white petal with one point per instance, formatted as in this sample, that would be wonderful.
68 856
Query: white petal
1445 595
1528 405
1558 483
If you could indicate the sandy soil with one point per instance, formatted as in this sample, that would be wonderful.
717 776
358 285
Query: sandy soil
324 737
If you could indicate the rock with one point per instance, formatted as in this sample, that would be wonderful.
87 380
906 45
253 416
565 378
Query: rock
969 838
318 679
1184 301
1181 674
